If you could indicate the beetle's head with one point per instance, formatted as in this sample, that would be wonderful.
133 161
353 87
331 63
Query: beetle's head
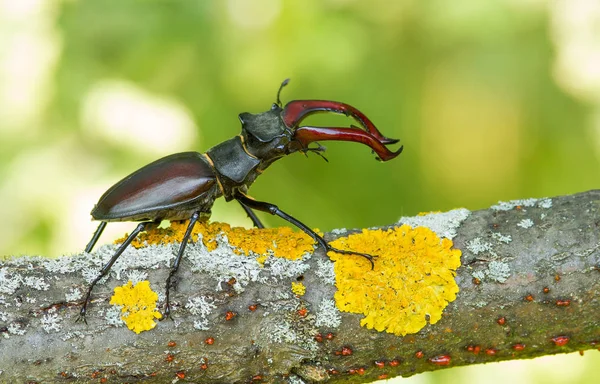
265 135
277 132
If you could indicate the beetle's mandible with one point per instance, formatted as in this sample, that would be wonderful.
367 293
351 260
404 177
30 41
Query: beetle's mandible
185 185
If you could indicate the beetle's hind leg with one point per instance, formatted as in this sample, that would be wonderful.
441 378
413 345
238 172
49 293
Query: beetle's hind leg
274 210
255 220
104 271
95 237
177 261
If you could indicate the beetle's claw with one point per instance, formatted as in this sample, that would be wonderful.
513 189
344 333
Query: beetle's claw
167 313
81 317
371 258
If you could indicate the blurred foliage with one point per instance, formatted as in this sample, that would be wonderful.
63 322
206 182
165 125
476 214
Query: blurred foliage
474 92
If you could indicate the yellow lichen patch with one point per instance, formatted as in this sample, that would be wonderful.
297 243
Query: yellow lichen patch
282 242
261 259
427 213
139 305
299 289
412 281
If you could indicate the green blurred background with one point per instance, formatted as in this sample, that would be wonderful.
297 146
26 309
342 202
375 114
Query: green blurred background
493 100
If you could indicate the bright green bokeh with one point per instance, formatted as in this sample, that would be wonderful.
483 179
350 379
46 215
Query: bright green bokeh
493 100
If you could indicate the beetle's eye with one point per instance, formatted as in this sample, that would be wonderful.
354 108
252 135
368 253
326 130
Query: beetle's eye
274 106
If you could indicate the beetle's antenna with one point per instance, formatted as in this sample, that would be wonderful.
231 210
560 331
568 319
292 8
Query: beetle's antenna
283 84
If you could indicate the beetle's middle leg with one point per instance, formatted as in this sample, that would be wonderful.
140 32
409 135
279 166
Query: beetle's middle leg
177 261
104 271
255 220
274 210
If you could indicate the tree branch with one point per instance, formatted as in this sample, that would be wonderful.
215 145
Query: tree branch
529 286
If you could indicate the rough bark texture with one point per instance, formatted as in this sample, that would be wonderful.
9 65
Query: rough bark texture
535 295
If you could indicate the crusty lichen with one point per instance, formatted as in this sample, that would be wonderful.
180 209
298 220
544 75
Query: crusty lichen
444 224
138 305
412 281
280 242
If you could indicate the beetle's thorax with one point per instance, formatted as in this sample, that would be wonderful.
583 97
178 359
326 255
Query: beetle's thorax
263 140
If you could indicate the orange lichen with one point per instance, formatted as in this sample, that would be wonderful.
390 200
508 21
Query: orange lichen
139 305
280 242
412 281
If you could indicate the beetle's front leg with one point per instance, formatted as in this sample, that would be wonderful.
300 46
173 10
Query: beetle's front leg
255 220
274 210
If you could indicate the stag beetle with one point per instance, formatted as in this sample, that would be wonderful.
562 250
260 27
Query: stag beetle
183 186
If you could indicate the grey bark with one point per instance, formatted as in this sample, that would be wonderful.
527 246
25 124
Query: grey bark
544 283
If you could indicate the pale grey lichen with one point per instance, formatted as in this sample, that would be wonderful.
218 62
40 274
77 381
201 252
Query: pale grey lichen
51 322
444 224
328 315
281 268
74 335
282 327
525 223
60 265
325 271
222 264
508 205
293 379
73 295
201 324
136 276
498 271
479 275
9 283
544 202
150 257
339 231
477 246
113 316
281 331
89 274
37 283
16 329
501 238
200 305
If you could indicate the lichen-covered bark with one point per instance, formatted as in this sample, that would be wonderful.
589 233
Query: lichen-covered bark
529 286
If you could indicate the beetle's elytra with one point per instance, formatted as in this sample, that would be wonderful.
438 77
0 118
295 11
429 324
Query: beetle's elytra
185 185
